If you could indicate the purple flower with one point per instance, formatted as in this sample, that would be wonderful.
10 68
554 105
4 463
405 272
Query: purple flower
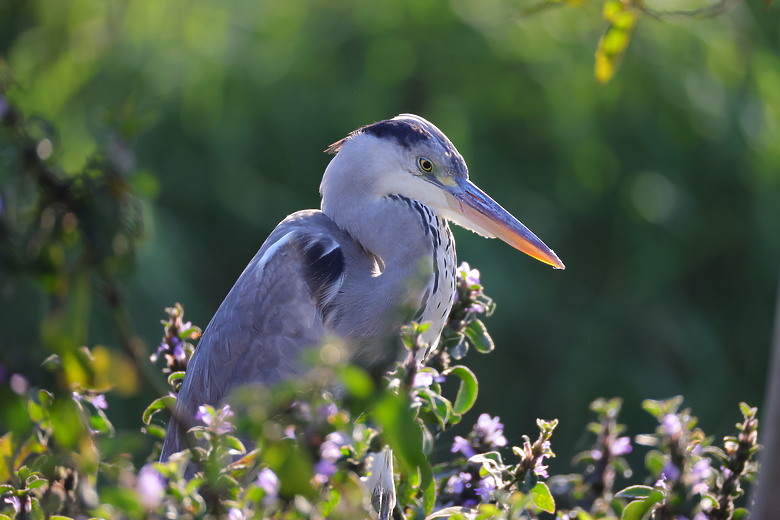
540 469
671 425
472 275
327 411
476 308
203 415
422 379
15 503
217 421
235 514
486 488
268 482
456 484
670 472
463 446
323 470
620 446
18 384
490 430
331 448
150 487
699 474
99 401
180 356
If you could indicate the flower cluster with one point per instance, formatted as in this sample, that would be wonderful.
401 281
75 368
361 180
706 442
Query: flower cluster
218 421
736 462
470 297
464 328
487 435
175 346
467 487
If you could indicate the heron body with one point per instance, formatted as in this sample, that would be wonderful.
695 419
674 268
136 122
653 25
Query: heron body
379 247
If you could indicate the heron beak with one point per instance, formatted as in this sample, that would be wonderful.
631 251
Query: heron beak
475 210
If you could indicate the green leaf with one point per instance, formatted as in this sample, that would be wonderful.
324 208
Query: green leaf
428 487
403 432
542 497
154 431
438 406
100 423
468 390
448 512
740 514
66 420
357 382
654 462
634 492
233 443
35 411
663 407
176 376
638 509
293 467
478 335
158 404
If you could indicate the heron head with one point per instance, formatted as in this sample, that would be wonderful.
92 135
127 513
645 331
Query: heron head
409 156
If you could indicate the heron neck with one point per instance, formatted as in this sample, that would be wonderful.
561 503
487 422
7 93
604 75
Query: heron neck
389 228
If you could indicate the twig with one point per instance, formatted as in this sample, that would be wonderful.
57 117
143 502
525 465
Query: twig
709 11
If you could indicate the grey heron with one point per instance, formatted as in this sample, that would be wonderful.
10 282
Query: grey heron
381 242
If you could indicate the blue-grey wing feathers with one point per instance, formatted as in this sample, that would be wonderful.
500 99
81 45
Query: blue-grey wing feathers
279 306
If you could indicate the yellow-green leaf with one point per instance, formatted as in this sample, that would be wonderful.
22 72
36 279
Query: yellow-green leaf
622 18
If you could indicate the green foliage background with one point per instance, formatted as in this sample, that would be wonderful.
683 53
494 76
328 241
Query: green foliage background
660 190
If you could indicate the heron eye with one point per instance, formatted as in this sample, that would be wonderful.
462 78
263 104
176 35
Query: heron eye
425 164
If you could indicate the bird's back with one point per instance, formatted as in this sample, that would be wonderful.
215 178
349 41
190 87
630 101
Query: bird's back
280 305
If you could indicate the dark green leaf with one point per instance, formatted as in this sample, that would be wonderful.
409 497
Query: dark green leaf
478 335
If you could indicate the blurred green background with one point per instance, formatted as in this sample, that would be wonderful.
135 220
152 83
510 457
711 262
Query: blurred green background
660 190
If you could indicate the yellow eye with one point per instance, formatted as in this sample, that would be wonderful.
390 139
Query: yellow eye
425 164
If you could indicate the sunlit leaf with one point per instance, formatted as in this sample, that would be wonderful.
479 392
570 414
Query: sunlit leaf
158 404
542 498
468 390
176 376
638 509
449 512
634 492
622 18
